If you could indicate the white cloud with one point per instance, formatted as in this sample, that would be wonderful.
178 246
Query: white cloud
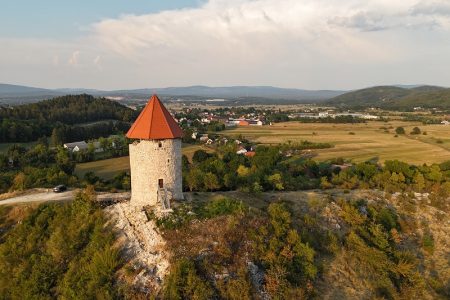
74 58
433 8
97 62
297 43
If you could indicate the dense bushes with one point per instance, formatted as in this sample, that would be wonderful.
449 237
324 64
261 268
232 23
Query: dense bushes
184 283
269 240
60 251
270 169
185 213
287 261
373 242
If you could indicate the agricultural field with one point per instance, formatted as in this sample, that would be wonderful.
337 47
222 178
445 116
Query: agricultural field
108 168
357 142
361 141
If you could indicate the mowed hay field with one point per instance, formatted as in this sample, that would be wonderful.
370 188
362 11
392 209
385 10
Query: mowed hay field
359 142
108 168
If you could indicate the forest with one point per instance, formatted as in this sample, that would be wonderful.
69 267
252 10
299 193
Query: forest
73 117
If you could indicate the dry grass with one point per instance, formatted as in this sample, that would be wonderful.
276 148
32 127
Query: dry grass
106 168
368 140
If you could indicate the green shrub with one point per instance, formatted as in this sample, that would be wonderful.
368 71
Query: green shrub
220 207
289 262
400 130
183 282
416 130
428 242
180 216
387 218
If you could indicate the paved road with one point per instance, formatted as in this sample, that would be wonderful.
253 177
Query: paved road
40 197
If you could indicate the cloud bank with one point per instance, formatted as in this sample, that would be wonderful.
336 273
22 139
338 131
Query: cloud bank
290 43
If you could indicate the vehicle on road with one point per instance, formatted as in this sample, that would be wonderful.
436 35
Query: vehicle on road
59 188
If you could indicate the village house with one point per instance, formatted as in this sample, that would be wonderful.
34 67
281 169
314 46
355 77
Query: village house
241 150
250 153
83 146
204 137
76 146
245 122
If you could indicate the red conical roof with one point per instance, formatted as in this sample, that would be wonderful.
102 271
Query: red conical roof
155 123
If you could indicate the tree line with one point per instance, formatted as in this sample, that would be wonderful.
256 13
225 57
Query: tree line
44 166
271 169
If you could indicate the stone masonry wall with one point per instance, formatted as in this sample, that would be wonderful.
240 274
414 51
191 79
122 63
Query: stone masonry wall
151 160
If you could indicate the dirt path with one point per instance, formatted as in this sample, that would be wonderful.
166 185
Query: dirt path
41 196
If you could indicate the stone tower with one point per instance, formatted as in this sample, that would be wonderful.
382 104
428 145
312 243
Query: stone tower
155 156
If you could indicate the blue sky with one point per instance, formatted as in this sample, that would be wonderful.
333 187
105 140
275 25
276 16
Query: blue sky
310 44
66 18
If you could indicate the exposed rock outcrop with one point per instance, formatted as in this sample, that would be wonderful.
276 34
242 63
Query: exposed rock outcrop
143 246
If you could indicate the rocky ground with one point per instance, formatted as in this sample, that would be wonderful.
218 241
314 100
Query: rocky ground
144 248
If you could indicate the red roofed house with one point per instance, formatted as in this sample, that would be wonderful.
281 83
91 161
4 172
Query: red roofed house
155 157
244 123
250 153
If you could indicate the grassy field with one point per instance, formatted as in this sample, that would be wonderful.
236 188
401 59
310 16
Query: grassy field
359 142
108 168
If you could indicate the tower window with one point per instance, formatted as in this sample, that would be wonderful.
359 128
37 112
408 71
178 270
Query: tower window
168 160
159 144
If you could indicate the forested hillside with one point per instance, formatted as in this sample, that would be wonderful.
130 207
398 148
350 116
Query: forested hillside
62 251
29 122
392 97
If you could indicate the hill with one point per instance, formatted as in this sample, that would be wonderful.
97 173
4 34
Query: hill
13 90
28 122
395 97
15 94
242 91
70 109
19 94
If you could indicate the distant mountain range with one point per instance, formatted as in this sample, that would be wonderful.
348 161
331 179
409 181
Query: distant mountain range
14 94
395 97
392 97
